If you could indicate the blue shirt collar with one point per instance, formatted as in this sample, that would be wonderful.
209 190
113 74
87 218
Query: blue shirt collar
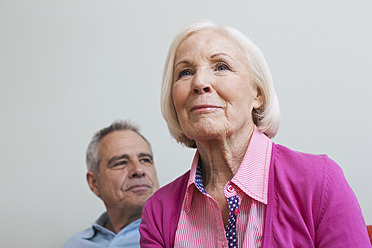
98 226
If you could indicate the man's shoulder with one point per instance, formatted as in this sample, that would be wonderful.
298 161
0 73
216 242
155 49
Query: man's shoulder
79 239
85 238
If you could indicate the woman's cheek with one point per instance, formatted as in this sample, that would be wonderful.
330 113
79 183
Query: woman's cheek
179 96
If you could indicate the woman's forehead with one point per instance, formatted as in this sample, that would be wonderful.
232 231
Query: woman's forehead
208 42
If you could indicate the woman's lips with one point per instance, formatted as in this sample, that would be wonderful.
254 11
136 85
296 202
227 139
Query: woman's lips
204 108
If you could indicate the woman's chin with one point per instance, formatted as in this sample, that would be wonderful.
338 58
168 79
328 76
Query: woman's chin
206 134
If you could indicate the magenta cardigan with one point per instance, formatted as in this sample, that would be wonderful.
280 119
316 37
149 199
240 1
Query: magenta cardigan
310 204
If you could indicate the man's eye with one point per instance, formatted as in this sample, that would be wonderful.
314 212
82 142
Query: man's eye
145 160
120 163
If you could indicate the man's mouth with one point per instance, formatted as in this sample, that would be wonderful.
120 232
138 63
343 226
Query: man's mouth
139 187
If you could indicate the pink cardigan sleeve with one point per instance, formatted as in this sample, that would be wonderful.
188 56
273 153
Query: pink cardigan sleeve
310 204
151 232
341 222
161 213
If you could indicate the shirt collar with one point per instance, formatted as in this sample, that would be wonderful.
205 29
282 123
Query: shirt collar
191 183
96 226
252 175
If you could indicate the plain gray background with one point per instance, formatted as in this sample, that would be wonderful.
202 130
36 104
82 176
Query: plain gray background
71 67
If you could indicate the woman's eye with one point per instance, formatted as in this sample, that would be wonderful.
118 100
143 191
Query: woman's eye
222 67
184 73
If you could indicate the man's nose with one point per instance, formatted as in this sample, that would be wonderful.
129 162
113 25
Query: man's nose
137 170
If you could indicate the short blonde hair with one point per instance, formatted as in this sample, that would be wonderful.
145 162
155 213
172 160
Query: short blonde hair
266 118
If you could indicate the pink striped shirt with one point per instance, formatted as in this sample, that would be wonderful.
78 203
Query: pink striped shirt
201 224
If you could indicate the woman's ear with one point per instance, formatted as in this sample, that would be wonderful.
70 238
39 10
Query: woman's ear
258 100
93 183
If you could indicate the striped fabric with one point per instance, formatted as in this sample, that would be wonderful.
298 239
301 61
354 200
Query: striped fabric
201 224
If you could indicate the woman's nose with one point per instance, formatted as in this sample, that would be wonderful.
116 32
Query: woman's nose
201 83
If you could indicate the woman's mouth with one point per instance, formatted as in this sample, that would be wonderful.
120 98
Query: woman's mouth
202 108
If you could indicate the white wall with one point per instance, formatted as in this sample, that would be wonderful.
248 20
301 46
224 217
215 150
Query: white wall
70 67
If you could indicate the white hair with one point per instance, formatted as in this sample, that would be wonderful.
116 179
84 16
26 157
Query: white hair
266 118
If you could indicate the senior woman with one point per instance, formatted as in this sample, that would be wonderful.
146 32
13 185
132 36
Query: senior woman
242 189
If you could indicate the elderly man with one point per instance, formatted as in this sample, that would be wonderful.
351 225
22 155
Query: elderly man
121 172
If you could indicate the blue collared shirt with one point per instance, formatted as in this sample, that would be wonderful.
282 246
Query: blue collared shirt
98 236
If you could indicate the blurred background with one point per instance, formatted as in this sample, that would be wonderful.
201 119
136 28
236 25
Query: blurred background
71 67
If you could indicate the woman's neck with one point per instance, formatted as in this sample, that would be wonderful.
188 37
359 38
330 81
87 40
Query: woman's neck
221 158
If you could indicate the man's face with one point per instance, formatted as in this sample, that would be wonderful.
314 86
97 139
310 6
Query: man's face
127 176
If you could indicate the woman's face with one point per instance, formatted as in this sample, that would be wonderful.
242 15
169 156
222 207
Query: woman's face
212 90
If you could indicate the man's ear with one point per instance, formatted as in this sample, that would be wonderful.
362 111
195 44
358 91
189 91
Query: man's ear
93 183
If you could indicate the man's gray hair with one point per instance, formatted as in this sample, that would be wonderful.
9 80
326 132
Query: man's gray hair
93 157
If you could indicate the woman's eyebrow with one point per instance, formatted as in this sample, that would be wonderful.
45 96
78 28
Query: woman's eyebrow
182 62
220 54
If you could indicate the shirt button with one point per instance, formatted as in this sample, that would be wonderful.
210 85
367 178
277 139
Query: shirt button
230 188
236 211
